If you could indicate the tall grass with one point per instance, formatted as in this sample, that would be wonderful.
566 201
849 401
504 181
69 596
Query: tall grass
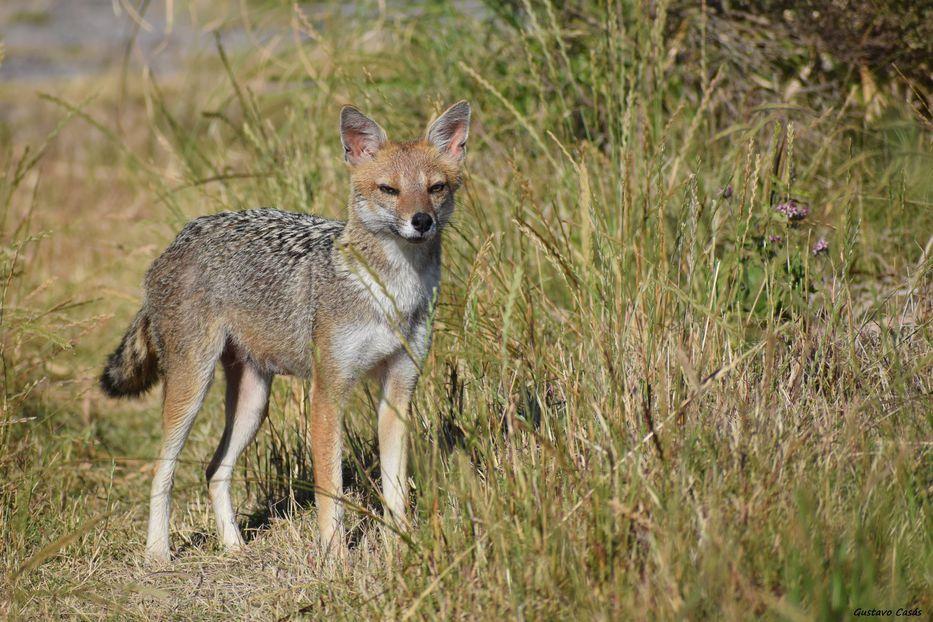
647 396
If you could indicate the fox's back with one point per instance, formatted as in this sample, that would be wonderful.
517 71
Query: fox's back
257 272
262 245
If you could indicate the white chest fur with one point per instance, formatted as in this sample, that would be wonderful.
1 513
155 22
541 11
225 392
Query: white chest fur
405 285
397 293
359 347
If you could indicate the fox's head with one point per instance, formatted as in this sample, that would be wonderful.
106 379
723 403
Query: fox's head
404 189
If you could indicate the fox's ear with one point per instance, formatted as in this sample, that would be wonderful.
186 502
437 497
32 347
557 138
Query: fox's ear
450 131
361 136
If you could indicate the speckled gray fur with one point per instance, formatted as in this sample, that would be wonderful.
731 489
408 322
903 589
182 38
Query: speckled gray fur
251 280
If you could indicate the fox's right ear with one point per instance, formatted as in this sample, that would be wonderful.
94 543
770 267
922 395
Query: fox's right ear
361 136
450 131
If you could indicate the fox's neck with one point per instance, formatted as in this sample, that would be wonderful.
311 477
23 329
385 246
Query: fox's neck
384 252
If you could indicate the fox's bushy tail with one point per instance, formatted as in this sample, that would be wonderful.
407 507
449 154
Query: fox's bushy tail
133 367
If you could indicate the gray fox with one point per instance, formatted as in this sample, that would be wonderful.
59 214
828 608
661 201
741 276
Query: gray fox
269 292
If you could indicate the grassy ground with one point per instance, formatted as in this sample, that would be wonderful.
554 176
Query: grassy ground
647 396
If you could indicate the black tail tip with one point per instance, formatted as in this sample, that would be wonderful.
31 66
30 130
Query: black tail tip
115 385
109 387
133 367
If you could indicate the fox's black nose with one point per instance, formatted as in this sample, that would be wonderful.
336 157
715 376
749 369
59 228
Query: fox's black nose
421 222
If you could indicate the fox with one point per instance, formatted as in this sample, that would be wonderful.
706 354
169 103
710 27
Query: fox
266 292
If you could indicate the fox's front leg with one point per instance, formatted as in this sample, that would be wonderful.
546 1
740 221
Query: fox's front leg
326 443
401 375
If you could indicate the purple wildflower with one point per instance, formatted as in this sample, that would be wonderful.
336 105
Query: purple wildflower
775 239
727 191
821 246
793 210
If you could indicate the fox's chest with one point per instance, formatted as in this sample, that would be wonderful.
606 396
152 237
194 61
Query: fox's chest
387 311
403 295
359 347
395 318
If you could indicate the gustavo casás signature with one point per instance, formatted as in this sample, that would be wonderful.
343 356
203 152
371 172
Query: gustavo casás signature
906 612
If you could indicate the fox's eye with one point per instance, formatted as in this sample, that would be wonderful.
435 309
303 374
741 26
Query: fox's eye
437 188
388 190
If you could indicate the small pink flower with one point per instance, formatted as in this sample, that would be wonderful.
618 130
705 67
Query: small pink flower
794 210
775 239
821 246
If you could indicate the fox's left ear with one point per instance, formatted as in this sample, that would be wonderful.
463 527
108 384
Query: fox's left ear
361 136
450 131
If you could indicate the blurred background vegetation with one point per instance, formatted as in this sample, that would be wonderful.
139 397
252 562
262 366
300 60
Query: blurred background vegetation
682 362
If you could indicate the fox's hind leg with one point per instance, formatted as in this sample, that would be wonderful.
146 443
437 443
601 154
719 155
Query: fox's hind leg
246 408
187 380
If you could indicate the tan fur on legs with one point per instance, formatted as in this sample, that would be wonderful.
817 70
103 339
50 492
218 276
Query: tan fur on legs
185 389
246 408
399 380
326 444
